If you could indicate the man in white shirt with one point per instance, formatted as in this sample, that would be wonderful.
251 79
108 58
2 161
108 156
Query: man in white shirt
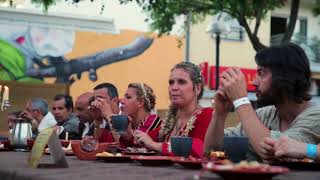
37 108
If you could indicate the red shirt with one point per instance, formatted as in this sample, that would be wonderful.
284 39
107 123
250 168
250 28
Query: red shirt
203 118
150 123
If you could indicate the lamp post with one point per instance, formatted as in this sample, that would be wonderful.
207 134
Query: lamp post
187 25
215 29
217 58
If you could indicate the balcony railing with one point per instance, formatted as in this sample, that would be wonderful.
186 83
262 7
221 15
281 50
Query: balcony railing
311 46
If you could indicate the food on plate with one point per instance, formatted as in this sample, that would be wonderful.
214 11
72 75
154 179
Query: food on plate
88 144
137 149
217 154
251 165
67 150
243 166
245 170
307 160
210 165
294 160
104 154
107 154
223 162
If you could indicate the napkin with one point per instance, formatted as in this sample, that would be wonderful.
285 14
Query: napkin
47 122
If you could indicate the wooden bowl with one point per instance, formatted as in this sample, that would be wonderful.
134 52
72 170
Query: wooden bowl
83 155
30 143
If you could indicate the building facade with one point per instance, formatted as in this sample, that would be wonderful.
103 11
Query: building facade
236 49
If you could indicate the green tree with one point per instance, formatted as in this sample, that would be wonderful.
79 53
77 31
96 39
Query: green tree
162 13
316 8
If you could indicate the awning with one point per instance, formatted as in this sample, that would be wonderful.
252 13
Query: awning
60 21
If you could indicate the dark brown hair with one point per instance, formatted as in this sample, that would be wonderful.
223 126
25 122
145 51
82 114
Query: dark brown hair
290 70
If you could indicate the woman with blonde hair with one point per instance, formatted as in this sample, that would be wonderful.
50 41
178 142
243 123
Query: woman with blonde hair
185 116
138 103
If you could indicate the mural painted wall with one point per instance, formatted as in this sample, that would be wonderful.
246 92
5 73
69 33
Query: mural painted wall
151 67
27 61
36 55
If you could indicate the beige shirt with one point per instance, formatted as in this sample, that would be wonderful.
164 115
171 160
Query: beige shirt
305 128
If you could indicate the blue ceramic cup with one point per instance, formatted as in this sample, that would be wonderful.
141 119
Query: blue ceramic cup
236 147
181 145
120 123
3 138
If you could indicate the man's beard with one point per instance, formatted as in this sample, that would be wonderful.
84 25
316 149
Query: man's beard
273 96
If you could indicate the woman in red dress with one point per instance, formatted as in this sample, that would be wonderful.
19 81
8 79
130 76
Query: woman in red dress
185 116
138 103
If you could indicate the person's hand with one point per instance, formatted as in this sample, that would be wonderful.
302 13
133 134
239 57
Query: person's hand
58 129
266 149
143 139
234 83
130 129
34 125
26 115
221 103
103 105
287 147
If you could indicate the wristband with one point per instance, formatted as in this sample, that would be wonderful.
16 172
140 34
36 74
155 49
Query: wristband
169 148
240 102
311 151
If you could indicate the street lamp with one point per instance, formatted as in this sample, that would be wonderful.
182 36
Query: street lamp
215 29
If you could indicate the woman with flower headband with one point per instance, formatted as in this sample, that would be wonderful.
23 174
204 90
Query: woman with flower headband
185 116
138 103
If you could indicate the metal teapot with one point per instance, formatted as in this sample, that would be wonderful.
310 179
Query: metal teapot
20 133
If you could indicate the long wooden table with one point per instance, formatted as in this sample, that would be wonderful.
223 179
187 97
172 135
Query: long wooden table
13 166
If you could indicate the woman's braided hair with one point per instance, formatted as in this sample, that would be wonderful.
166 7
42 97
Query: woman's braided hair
145 92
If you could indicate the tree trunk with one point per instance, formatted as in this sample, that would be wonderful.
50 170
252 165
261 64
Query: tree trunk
292 21
257 45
